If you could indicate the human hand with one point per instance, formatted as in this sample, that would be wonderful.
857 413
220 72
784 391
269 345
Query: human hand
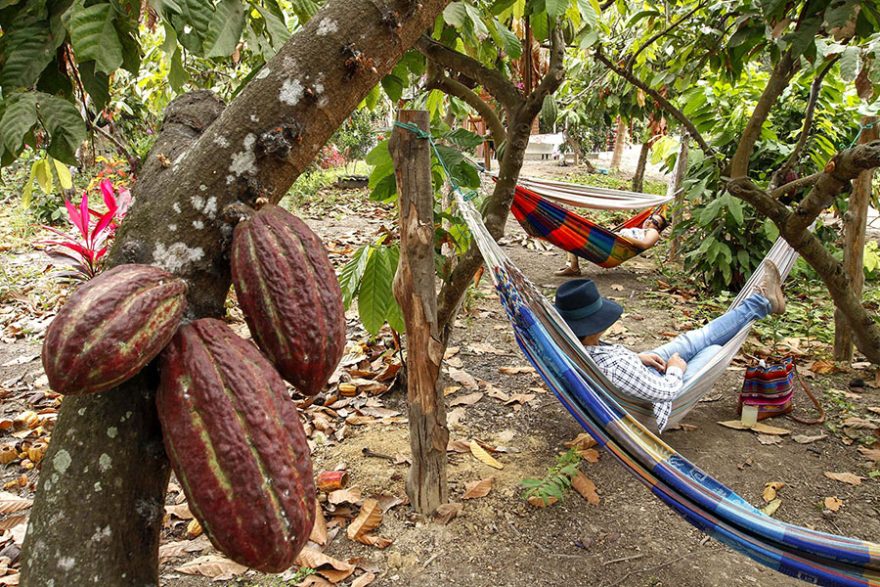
653 360
676 361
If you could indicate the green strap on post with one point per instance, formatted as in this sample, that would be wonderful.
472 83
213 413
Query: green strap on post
424 135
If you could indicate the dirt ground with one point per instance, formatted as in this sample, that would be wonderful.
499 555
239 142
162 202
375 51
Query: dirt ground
500 540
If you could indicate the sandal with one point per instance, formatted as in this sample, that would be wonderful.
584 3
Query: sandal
568 272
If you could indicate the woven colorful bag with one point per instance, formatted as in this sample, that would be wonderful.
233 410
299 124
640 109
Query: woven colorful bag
770 387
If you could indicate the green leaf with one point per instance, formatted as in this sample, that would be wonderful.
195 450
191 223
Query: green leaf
351 274
65 126
849 64
456 14
18 119
556 8
43 175
507 40
304 9
29 48
94 37
63 173
96 83
393 87
375 294
192 23
177 74
275 26
736 210
28 189
463 138
225 29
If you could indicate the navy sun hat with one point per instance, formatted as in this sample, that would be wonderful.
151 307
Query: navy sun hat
584 310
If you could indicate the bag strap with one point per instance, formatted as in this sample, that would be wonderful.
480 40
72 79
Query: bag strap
816 403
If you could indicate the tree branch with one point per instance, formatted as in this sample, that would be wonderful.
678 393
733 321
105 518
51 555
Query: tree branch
830 270
664 103
840 171
632 59
437 80
494 82
779 79
792 160
498 205
795 185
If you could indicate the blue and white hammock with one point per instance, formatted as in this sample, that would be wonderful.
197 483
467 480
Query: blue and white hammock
610 418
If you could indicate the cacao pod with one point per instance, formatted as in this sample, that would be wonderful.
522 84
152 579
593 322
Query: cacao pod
237 446
290 296
111 328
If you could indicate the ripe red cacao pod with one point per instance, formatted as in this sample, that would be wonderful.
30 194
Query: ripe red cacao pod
111 327
290 296
236 445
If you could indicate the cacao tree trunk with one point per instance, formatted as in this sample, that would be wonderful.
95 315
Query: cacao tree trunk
619 144
98 510
415 292
675 190
638 180
855 224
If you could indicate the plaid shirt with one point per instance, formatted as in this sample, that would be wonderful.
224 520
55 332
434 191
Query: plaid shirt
626 371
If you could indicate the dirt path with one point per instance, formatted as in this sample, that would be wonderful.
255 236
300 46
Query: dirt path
630 538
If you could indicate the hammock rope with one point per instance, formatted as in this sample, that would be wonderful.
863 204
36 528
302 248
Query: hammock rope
706 503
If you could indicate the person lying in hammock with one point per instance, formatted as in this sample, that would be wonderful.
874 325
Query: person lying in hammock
644 237
659 375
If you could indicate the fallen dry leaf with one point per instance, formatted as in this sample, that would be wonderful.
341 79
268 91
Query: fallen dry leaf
193 529
822 367
591 455
833 503
450 389
582 441
848 478
173 550
447 512
10 504
485 348
351 495
369 518
364 580
214 567
496 393
760 428
872 454
772 507
522 398
585 486
860 424
179 511
770 490
478 489
805 439
767 439
515 370
11 580
466 400
451 352
463 378
616 287
328 567
319 529
481 455
540 502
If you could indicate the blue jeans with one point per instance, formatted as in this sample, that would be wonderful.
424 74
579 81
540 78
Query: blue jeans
697 347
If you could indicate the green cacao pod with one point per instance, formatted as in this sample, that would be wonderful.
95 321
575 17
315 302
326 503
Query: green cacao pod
111 327
237 446
290 296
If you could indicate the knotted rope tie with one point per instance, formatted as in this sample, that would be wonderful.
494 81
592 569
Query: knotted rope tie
468 195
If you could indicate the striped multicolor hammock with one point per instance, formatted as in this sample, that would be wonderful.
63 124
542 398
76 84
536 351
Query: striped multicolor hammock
544 219
555 352
587 196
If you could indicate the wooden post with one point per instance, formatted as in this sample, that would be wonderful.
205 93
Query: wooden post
855 223
674 189
414 288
